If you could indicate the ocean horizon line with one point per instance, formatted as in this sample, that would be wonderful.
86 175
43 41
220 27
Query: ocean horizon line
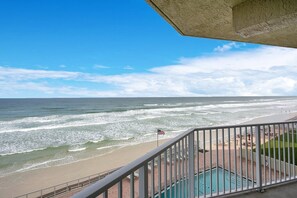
138 97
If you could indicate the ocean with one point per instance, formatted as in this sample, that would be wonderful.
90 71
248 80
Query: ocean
38 133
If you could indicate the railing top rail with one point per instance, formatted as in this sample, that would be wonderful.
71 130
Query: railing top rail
110 180
243 125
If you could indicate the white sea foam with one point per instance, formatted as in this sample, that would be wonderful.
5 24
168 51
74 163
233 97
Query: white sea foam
130 126
172 104
107 147
147 117
177 131
77 149
51 127
150 105
149 134
20 152
96 141
42 164
122 138
97 119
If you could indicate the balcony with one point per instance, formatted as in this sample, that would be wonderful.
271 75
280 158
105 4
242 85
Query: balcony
208 162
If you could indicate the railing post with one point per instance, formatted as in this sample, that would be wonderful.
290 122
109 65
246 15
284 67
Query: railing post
258 158
120 189
105 194
191 165
143 181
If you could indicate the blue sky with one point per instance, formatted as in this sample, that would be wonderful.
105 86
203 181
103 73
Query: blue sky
91 48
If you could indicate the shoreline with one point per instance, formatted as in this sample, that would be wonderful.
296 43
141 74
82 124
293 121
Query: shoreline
33 180
273 118
37 179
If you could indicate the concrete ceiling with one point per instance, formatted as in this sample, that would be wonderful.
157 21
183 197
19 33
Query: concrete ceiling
271 22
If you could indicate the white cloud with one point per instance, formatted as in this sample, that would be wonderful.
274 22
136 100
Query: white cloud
228 47
14 89
260 71
100 67
128 67
18 74
41 67
262 59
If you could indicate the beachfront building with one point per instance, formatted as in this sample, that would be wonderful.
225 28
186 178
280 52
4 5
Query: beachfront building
225 160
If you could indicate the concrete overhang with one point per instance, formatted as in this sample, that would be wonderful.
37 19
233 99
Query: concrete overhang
270 22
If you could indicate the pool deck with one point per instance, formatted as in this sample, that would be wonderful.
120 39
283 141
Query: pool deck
284 191
207 161
126 182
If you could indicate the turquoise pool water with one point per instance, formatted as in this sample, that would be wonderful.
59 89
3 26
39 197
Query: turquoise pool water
178 188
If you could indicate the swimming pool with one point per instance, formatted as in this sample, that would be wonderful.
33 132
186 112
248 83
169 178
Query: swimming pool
235 182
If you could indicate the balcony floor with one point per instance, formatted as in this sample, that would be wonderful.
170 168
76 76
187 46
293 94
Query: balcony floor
284 191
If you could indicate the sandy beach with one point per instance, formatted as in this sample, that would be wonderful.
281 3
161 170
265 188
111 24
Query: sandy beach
25 182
